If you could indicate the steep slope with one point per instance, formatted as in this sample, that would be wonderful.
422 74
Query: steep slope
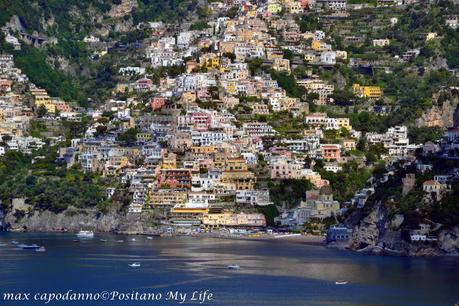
53 53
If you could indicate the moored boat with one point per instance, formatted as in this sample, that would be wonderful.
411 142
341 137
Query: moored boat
29 246
85 234
135 265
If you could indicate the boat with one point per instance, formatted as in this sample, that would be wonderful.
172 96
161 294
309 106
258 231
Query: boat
341 282
135 265
14 242
233 267
133 239
85 234
120 241
149 237
41 249
103 240
29 246
76 240
3 244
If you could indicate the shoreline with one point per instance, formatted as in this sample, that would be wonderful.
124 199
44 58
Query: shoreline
299 239
304 239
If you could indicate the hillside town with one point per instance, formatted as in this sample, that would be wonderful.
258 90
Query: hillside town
218 123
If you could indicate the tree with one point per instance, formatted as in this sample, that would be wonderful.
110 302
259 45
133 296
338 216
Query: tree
100 130
42 111
128 137
230 55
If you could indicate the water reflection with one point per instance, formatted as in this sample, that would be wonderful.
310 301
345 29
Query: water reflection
271 273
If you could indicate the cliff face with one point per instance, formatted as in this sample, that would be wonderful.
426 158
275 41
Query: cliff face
376 234
76 220
440 114
3 224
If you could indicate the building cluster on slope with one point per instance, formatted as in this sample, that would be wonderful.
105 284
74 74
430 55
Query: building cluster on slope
191 155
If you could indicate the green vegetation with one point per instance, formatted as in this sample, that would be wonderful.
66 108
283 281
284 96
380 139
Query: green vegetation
287 82
32 61
83 77
165 10
270 212
424 134
288 192
128 137
346 182
47 185
199 26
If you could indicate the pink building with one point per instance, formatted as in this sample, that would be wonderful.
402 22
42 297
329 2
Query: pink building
157 103
281 169
201 120
63 106
144 85
330 152
203 94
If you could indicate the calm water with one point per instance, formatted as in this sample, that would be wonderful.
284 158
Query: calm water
272 273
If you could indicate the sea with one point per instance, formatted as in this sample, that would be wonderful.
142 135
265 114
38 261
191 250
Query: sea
194 271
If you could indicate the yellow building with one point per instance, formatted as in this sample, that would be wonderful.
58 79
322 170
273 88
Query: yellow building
274 8
41 98
431 35
372 92
185 215
188 97
231 88
273 53
236 164
209 60
295 7
309 57
203 151
47 102
236 175
281 64
344 123
143 137
169 161
168 197
320 46
221 219
121 88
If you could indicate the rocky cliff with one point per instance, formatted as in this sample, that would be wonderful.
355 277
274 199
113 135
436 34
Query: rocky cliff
3 224
74 220
377 233
441 113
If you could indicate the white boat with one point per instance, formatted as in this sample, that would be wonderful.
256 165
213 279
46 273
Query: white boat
135 265
341 282
233 267
103 240
119 241
85 234
14 242
149 237
41 249
133 239
3 244
29 246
